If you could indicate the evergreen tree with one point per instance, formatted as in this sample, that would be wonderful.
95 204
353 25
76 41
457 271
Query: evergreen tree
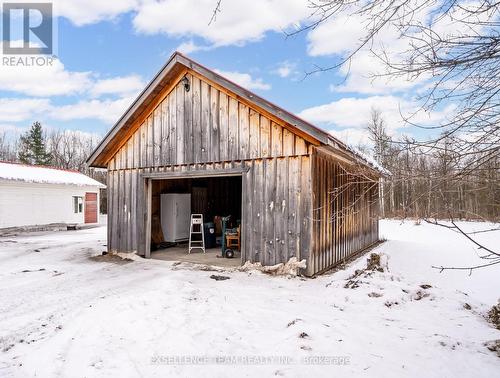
32 148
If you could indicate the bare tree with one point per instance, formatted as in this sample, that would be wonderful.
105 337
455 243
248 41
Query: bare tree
437 184
452 46
8 149
70 149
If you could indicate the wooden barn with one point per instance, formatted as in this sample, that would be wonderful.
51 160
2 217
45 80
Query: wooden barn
292 189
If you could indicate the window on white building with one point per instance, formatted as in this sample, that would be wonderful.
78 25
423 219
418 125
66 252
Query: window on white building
77 205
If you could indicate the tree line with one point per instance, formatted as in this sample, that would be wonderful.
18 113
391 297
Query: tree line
452 179
65 149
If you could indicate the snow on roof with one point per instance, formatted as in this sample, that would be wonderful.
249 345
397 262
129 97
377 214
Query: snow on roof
46 175
369 160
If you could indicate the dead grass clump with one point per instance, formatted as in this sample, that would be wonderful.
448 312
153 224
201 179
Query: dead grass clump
494 315
494 346
373 262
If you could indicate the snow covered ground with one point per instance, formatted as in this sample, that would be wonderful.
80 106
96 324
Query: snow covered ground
64 313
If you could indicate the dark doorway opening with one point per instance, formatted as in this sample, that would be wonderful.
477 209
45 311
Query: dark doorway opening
214 198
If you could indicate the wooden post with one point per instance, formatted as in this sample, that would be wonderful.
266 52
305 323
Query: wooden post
149 192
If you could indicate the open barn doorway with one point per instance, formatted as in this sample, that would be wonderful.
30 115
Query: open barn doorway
219 201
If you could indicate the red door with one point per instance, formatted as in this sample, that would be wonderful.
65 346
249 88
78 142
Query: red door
90 207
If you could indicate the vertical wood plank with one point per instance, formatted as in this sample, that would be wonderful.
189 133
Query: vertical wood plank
197 138
288 143
162 133
205 122
180 92
147 232
109 200
248 202
244 132
300 146
279 211
214 123
233 130
120 221
254 130
126 210
257 213
264 213
135 149
157 136
224 125
150 142
306 210
299 213
118 159
129 152
140 209
172 105
265 137
133 209
276 139
271 208
188 123
293 204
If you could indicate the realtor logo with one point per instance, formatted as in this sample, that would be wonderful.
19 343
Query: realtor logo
27 28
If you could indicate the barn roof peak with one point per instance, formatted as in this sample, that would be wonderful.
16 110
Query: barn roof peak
171 70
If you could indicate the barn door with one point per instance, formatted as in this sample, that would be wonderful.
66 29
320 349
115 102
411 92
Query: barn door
90 207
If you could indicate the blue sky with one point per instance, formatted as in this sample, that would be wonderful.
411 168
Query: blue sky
108 51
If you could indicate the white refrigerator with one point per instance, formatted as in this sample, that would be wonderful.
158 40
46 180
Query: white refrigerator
175 216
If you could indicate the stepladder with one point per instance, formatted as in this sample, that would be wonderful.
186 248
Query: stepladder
196 233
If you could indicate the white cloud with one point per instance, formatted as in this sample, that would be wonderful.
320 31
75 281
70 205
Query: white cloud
364 73
53 80
337 35
20 109
56 80
190 46
107 110
351 112
238 22
352 136
30 109
286 69
82 12
123 86
244 79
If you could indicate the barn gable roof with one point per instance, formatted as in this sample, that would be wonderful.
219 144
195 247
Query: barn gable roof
44 175
165 78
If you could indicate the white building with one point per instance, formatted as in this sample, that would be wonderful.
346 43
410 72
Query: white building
35 195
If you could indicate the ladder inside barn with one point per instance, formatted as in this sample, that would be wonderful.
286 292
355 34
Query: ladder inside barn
195 232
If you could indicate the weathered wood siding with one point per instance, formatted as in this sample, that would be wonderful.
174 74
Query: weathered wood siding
276 208
204 125
206 129
345 212
287 184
